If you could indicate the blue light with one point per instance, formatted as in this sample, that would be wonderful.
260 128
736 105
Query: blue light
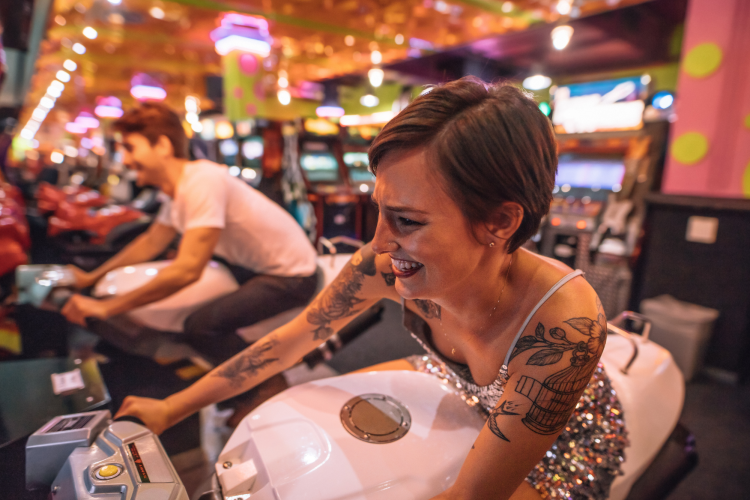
662 100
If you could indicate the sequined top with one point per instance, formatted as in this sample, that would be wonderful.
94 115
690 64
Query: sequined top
487 395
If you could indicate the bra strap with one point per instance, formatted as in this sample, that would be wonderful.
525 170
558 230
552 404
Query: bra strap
549 294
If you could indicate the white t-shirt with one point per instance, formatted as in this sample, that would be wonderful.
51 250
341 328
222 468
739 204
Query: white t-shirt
257 233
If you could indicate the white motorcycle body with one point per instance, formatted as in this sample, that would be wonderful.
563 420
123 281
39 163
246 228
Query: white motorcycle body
295 446
169 314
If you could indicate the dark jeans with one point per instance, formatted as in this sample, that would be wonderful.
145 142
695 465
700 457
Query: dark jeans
211 330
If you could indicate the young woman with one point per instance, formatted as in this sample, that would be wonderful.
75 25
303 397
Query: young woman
464 176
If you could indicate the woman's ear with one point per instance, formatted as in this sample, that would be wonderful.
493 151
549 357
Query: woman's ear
504 222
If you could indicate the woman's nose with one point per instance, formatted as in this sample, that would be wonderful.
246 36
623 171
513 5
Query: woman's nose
383 241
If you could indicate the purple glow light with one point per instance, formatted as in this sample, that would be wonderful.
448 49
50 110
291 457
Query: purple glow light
147 92
329 111
108 112
86 120
75 128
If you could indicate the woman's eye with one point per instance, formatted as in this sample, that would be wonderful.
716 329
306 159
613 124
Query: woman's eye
408 222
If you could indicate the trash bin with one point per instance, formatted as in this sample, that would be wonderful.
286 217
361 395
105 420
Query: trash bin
682 328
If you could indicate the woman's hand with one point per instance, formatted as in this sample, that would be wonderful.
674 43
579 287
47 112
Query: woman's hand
83 279
155 413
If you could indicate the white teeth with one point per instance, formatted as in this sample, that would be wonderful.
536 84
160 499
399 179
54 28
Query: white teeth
405 265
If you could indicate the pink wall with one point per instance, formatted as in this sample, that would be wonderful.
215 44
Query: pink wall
716 106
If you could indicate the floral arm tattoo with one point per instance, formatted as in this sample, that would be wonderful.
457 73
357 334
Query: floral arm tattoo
340 299
555 397
248 363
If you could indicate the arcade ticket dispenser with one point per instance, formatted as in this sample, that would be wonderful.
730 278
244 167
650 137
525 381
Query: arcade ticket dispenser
87 456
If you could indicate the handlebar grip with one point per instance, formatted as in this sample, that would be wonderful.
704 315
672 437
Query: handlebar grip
130 418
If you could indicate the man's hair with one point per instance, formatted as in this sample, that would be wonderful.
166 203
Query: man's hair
152 120
491 144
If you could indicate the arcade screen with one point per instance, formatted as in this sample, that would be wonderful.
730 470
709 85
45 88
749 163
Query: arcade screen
228 149
587 171
252 151
320 167
357 162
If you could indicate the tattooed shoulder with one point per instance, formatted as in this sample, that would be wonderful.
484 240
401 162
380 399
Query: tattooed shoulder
428 308
554 397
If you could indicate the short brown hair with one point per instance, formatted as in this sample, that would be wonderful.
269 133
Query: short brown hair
491 142
152 120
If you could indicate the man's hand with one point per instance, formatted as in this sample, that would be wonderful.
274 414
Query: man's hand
155 413
83 279
78 308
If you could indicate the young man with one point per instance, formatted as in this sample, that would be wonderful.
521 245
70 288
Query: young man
217 214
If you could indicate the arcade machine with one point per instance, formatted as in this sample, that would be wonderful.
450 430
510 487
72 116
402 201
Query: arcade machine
327 181
609 158
357 141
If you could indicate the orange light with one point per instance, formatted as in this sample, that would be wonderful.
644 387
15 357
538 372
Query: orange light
555 222
224 130
581 224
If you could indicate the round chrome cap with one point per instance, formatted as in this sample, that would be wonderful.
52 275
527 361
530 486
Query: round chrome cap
375 418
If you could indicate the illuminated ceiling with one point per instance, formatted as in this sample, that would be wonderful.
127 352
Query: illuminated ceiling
312 39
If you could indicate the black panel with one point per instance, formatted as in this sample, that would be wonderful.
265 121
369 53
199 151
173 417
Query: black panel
712 275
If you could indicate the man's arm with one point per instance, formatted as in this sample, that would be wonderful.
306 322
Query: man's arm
196 249
144 248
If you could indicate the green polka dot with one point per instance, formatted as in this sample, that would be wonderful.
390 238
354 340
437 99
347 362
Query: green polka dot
702 60
746 182
690 148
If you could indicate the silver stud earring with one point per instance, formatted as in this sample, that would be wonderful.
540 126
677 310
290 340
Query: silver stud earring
492 244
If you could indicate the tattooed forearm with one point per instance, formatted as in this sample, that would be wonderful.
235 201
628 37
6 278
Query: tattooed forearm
247 363
429 308
390 278
340 298
492 424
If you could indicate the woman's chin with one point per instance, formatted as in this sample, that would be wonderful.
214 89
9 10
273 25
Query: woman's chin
411 291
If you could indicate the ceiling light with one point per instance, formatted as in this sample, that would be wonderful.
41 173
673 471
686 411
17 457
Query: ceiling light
283 82
399 39
56 85
156 12
70 65
507 7
90 32
537 82
349 40
63 76
115 2
47 103
284 96
369 100
57 157
39 114
376 57
249 173
224 130
197 127
561 36
27 134
564 7
376 77
79 49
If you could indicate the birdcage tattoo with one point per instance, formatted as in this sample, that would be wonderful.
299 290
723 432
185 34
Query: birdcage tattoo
553 399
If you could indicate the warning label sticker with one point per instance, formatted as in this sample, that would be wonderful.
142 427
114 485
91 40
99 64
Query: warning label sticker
139 466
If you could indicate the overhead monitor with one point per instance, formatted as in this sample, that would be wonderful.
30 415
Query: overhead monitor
609 105
592 172
320 167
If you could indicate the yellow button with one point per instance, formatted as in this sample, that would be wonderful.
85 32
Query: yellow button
109 470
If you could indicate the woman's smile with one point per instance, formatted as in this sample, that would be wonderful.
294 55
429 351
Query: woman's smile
405 268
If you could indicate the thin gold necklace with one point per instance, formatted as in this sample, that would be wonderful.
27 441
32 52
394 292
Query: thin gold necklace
507 274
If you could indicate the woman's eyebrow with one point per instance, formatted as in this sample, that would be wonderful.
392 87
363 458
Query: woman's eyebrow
402 208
